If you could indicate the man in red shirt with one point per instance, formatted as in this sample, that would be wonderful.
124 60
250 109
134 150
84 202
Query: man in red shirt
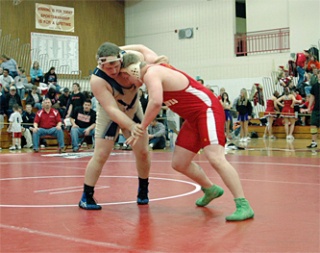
48 122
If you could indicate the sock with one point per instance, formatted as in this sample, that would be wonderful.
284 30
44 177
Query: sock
143 181
89 190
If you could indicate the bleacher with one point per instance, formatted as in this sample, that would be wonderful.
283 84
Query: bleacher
21 53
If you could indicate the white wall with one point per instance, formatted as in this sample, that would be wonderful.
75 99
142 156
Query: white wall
210 53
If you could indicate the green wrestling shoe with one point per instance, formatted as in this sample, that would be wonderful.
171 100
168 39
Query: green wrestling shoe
209 194
243 211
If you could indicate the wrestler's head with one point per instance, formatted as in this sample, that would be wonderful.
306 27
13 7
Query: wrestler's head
109 58
130 70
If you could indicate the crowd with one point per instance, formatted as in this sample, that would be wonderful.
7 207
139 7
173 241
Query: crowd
208 118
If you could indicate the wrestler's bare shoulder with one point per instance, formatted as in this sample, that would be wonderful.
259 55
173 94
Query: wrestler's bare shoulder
97 84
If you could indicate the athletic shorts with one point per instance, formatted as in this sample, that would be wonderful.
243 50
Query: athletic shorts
243 117
207 129
107 129
16 135
227 115
315 119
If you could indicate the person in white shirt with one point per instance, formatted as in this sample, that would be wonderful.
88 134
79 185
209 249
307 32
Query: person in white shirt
6 80
15 128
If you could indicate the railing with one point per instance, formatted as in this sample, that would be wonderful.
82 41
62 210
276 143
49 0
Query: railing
260 42
22 55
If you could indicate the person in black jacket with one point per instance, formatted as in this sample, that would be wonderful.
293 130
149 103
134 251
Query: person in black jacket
51 79
244 109
2 108
12 98
34 98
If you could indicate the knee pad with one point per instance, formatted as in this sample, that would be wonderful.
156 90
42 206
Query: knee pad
313 130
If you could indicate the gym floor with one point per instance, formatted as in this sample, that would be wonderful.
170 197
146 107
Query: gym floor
40 192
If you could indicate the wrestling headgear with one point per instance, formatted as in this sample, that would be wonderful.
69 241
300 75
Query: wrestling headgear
112 58
134 70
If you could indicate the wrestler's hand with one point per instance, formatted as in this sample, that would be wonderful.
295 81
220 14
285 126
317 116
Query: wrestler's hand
136 130
131 141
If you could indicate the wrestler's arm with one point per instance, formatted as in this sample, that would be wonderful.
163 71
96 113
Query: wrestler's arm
148 55
153 81
103 93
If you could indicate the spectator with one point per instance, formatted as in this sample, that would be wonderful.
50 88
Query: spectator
171 121
244 109
301 63
36 73
315 112
48 122
226 104
313 64
287 112
28 119
76 99
304 110
63 102
143 97
12 98
6 80
51 79
157 135
10 64
21 83
271 114
83 123
94 102
53 96
15 127
2 108
221 91
34 98
199 80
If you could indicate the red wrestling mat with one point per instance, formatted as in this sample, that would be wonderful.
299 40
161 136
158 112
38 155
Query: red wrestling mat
39 213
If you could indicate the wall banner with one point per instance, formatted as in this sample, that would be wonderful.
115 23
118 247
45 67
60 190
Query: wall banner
56 18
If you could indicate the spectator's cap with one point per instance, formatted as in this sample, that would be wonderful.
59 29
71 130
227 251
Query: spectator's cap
65 90
13 88
307 51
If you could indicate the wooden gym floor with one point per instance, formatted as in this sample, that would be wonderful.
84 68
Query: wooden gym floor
40 191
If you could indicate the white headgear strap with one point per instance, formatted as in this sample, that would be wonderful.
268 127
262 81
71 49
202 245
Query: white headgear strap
134 70
107 59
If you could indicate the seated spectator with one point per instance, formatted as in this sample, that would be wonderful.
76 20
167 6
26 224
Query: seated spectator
143 97
94 102
21 82
12 98
6 80
34 98
157 132
2 108
10 64
304 110
48 122
51 79
83 123
53 96
36 73
64 102
28 119
313 64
